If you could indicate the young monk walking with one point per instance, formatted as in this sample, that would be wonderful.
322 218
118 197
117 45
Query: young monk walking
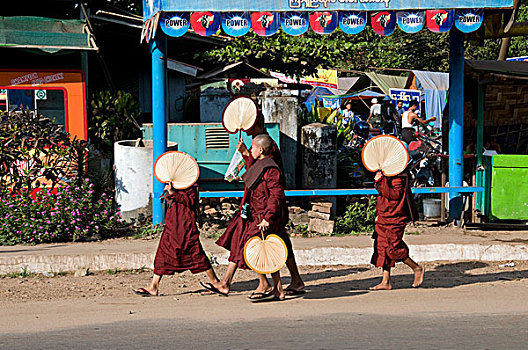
395 207
179 248
264 192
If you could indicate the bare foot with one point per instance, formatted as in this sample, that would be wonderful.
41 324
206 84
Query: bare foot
382 286
206 292
296 287
281 295
221 286
418 276
263 289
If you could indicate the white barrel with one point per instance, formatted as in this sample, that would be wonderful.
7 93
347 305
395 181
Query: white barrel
432 207
133 177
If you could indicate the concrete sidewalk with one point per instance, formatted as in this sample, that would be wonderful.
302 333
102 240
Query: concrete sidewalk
431 244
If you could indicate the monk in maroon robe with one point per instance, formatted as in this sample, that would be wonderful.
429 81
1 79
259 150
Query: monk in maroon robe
296 286
264 192
179 248
395 207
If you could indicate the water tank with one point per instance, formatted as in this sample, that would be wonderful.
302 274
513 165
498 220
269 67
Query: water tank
133 176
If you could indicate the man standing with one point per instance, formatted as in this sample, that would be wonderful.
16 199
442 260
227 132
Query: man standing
395 207
389 116
374 118
348 115
408 119
400 109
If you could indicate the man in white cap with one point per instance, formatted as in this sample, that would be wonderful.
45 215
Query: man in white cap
374 118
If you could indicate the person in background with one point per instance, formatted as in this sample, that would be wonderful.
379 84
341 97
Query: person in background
389 115
400 109
348 115
408 119
374 118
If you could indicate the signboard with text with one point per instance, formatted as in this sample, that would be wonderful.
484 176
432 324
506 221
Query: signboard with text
406 96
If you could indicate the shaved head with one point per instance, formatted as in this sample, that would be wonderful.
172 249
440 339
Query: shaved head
264 142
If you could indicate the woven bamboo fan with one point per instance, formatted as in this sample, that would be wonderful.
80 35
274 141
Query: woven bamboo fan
265 255
178 168
385 153
240 114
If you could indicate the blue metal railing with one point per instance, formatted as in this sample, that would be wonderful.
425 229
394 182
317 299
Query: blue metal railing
347 192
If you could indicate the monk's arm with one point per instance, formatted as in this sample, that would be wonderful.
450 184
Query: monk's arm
276 195
187 197
392 191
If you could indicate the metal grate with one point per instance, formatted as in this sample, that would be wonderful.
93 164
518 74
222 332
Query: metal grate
216 138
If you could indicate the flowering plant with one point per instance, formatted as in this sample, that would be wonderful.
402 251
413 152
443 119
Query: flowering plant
68 213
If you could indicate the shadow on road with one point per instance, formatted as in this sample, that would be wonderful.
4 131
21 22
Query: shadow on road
442 276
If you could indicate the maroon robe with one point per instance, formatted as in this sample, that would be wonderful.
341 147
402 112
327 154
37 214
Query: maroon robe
394 209
266 201
237 223
179 248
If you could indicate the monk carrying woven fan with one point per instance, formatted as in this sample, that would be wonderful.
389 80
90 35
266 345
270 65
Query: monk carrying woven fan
179 247
264 182
395 207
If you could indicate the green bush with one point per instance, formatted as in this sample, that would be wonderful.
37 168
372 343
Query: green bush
68 213
112 118
359 217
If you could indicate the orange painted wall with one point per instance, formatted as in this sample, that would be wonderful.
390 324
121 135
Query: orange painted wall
70 81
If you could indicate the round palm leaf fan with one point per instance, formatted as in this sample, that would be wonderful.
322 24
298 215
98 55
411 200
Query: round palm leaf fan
265 255
178 168
385 153
240 114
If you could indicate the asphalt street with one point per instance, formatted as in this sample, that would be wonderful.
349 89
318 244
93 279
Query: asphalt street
339 331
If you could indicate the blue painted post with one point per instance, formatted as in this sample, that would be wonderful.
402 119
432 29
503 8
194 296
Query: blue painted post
456 121
158 49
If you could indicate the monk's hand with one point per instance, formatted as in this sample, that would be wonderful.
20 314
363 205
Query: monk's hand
264 225
378 176
168 188
241 147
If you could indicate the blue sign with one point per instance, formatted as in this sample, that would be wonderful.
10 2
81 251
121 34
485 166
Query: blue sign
406 96
518 59
468 21
150 7
175 24
352 22
294 23
236 23
411 21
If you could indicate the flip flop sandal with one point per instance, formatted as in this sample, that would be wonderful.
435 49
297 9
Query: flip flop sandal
259 296
269 298
212 288
144 293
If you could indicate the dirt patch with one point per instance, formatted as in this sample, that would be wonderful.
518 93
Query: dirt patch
319 280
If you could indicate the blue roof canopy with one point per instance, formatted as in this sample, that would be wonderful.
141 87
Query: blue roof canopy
151 7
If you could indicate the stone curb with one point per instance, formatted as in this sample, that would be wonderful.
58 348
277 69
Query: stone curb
307 257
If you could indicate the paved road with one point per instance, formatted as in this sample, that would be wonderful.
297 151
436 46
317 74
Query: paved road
339 331
461 305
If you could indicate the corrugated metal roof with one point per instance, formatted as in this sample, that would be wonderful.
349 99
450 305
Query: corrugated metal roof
46 34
